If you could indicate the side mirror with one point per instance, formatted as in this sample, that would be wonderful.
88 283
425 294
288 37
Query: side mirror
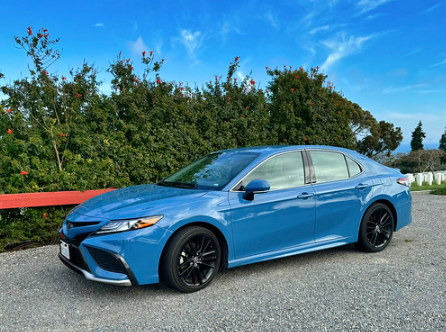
255 187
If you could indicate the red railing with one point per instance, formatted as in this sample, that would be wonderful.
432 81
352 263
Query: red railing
13 201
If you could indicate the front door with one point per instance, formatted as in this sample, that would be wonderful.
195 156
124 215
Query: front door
282 218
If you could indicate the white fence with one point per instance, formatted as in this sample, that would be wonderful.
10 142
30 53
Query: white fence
428 178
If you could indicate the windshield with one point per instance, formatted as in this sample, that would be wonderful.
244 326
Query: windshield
211 172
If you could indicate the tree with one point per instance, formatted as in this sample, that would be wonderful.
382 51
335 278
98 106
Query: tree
443 146
417 138
383 139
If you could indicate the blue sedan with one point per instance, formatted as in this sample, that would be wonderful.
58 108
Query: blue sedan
235 207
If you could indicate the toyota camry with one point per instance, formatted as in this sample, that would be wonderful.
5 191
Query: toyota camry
235 207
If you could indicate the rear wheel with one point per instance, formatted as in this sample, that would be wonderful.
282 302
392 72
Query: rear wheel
191 259
376 229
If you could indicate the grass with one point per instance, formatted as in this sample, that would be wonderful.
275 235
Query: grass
438 189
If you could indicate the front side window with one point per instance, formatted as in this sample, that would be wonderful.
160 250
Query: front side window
282 172
329 166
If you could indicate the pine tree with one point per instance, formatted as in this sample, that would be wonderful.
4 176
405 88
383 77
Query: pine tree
417 138
442 146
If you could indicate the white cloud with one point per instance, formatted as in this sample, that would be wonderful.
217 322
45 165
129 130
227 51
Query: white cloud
191 40
368 5
273 20
316 30
341 47
401 89
138 46
99 25
439 64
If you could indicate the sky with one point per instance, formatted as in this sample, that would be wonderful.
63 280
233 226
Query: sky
388 56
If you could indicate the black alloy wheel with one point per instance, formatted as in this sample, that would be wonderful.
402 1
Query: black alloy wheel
192 259
376 228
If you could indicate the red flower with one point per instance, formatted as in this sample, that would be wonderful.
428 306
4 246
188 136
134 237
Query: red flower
23 172
44 30
291 67
64 78
247 107
339 136
237 58
317 67
45 215
9 131
267 68
131 68
8 110
116 89
136 80
312 104
339 112
301 68
292 89
62 135
119 167
297 77
229 98
39 35
253 82
44 72
79 95
144 53
29 31
235 79
158 80
305 139
267 91
151 53
128 60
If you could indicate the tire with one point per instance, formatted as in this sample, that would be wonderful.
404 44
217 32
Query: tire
377 227
191 259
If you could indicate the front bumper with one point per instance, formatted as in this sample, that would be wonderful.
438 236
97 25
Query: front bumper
129 258
89 276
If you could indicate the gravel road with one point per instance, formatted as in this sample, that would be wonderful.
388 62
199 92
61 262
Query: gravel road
400 289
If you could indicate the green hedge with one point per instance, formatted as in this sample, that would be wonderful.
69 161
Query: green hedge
62 133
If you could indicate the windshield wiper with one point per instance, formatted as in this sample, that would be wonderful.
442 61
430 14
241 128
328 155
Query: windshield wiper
177 184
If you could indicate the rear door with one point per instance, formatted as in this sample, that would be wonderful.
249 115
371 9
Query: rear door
341 188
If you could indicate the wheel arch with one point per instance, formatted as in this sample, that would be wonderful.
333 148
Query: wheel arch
390 205
221 239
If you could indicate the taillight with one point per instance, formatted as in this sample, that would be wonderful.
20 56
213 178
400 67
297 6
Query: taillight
403 182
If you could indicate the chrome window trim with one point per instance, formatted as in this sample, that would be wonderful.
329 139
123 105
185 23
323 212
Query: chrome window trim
264 161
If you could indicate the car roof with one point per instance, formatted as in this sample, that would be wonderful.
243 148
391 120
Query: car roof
273 149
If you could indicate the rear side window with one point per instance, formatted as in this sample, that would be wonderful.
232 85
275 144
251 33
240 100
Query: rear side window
353 167
329 166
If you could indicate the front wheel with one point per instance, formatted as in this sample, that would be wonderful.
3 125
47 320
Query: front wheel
191 259
376 228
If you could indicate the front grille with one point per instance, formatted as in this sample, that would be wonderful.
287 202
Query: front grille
106 260
71 224
77 259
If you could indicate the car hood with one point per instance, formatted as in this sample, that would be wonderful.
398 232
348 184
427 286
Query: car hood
132 202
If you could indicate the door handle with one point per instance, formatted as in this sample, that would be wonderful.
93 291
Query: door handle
362 186
305 195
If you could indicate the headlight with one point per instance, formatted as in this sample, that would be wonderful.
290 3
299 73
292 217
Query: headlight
115 226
